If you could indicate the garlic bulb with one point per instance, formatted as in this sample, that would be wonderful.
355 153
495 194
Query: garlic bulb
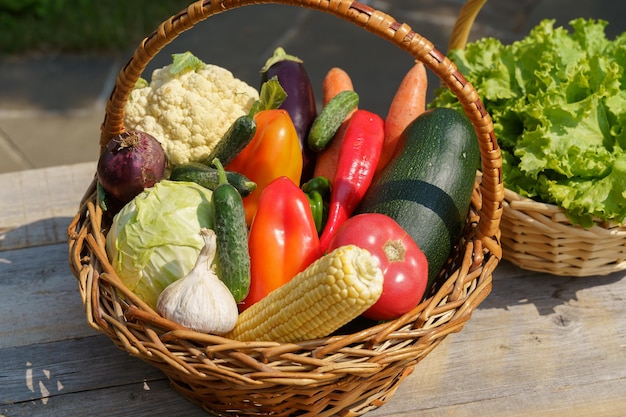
200 300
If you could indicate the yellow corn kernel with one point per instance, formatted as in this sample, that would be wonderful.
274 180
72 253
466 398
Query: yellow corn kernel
331 292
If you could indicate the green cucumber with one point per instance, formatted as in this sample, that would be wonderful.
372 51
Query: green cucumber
330 118
233 141
208 177
427 187
231 232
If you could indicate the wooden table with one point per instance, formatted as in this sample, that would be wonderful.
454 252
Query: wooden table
539 345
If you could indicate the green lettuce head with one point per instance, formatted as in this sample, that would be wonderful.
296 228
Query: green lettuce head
155 239
558 102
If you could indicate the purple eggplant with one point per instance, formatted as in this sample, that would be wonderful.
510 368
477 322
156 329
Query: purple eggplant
300 101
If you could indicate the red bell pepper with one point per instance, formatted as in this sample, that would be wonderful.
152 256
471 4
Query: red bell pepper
273 152
283 239
358 157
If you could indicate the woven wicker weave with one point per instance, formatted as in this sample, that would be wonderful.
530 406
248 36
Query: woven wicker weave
341 374
538 236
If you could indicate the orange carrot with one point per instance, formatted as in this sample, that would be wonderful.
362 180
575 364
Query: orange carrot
408 103
335 81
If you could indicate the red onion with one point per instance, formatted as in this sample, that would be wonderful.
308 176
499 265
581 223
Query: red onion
131 162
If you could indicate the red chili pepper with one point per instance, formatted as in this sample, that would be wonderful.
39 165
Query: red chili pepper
358 157
283 239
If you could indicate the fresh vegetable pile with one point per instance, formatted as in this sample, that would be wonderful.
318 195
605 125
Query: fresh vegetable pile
558 103
254 216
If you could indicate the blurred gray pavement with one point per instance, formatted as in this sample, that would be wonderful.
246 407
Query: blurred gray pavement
51 107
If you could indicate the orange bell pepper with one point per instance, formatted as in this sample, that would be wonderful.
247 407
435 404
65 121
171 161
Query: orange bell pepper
283 240
273 152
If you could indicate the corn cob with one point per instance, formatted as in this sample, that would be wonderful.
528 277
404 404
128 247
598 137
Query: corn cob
332 291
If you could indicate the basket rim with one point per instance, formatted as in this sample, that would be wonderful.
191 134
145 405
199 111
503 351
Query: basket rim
516 203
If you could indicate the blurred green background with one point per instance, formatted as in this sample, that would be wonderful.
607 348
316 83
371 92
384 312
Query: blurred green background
79 25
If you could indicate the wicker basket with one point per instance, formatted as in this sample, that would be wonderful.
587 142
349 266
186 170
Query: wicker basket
539 237
341 374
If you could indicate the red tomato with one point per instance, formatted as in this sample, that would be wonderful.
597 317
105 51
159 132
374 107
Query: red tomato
404 265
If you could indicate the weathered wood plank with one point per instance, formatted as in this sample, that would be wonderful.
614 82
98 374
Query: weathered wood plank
81 377
37 205
39 298
152 398
45 370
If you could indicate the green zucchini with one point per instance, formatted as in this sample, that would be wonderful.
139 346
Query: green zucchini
208 177
231 232
233 141
427 186
330 118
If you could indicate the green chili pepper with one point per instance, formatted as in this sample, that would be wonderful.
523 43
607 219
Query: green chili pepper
317 190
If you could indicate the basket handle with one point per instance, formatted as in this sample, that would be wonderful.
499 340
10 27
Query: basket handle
369 19
464 22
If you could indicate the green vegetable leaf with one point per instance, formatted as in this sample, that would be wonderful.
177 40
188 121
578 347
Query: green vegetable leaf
141 83
185 61
558 102
604 198
279 55
272 95
101 196
555 142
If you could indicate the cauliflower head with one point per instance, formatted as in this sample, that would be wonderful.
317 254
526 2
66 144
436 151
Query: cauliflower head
189 111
